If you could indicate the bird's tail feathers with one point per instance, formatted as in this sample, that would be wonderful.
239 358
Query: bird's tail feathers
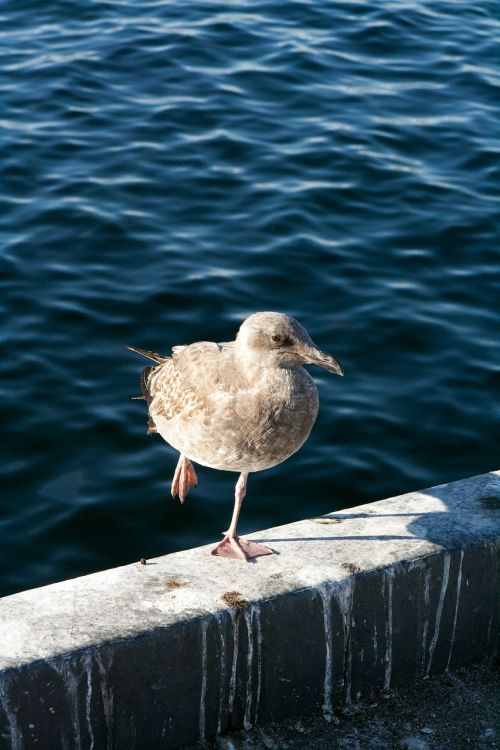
144 380
150 355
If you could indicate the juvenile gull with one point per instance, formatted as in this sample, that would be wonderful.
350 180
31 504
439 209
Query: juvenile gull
244 406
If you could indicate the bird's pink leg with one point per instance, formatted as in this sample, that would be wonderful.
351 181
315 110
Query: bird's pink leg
232 545
184 478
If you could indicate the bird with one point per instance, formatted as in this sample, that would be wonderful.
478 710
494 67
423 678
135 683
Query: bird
240 406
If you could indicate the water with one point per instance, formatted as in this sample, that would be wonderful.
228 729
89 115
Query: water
169 168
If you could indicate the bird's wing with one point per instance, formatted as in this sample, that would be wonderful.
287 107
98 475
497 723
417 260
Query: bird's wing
184 386
205 366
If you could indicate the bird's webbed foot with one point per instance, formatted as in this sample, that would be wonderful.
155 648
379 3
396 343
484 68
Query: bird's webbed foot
240 549
184 478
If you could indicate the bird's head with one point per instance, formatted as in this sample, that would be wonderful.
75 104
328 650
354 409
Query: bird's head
279 340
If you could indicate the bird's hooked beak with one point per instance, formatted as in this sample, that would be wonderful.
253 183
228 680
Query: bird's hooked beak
311 355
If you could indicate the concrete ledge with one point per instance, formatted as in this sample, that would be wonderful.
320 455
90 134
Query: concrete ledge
153 656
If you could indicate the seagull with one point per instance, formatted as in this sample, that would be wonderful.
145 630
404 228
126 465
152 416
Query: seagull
242 406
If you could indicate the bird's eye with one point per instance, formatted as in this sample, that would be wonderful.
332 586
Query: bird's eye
277 338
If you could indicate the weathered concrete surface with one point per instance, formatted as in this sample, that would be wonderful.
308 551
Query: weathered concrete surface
152 657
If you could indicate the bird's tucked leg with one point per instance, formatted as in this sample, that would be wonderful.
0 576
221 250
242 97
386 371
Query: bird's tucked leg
232 545
184 478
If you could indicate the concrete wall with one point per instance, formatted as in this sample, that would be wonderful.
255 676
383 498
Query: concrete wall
153 656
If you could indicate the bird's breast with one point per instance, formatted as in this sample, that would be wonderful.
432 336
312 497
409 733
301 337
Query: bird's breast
252 429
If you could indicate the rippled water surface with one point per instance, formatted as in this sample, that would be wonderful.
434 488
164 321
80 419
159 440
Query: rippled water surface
169 168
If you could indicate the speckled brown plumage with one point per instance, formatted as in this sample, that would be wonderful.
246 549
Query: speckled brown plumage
244 405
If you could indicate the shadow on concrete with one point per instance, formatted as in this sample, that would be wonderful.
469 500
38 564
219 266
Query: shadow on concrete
373 514
372 538
469 510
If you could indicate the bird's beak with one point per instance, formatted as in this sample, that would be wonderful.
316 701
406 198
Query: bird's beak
311 355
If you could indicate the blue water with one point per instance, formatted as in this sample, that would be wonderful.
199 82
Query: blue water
169 168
